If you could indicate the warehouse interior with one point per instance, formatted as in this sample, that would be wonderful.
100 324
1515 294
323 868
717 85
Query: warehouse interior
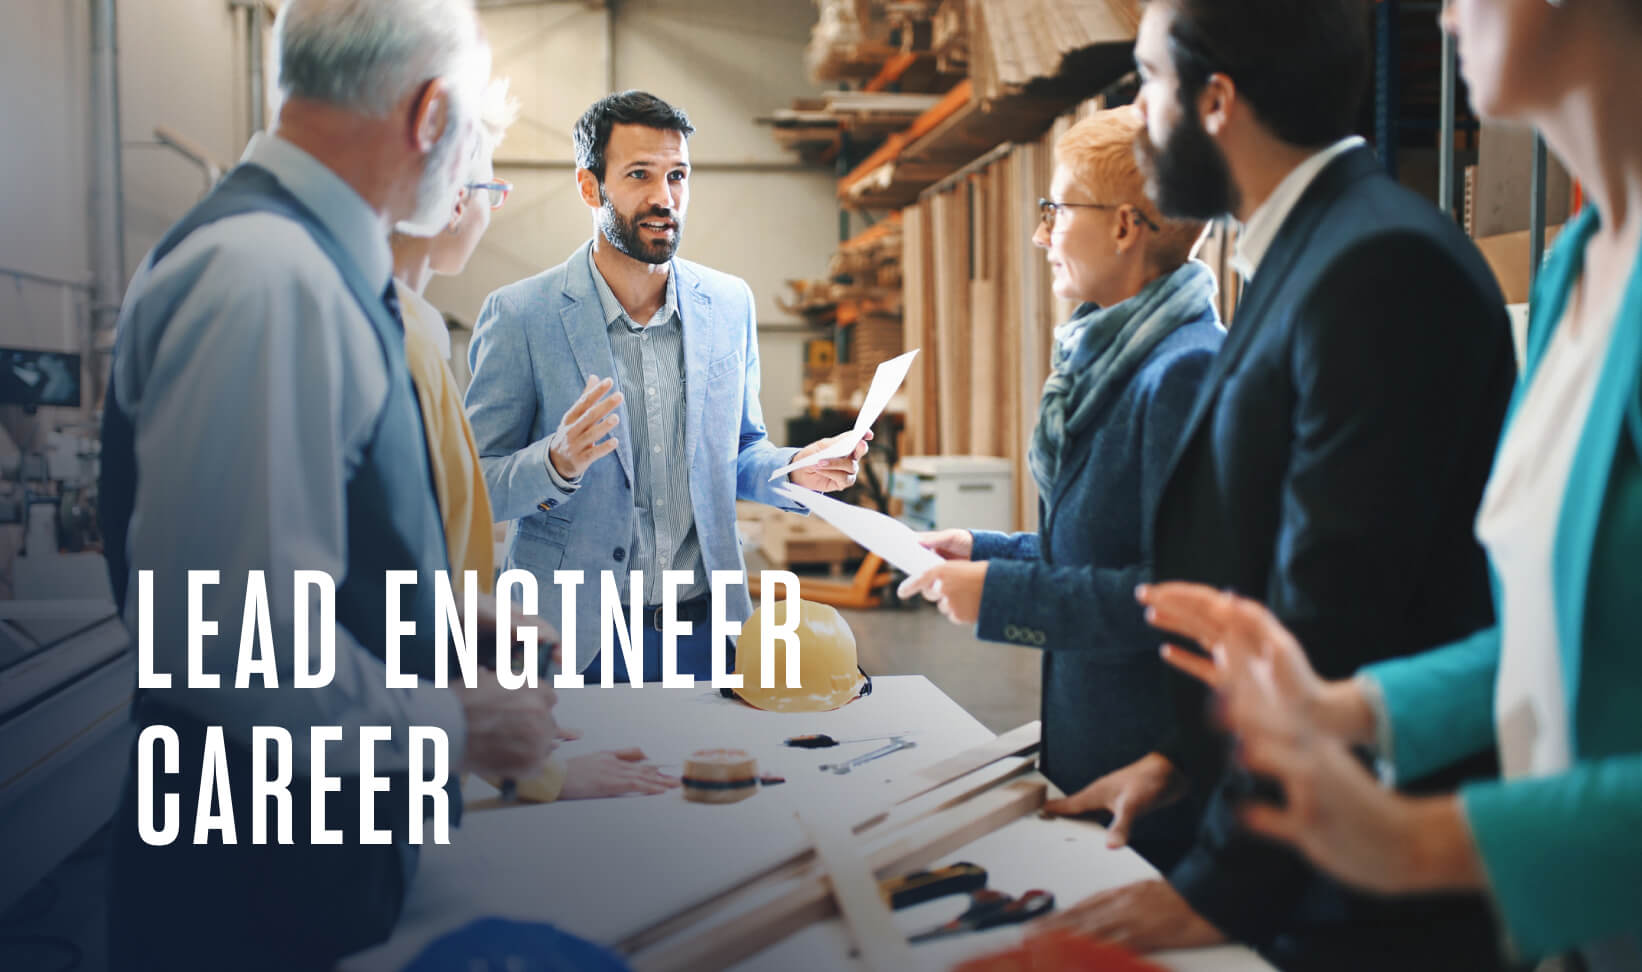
872 169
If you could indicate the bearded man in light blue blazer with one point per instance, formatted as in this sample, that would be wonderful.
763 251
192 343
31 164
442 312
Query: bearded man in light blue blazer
626 348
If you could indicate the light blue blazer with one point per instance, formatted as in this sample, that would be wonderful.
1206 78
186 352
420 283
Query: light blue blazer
534 345
1563 853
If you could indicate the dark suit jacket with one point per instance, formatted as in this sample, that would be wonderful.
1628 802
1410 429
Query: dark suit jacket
1332 468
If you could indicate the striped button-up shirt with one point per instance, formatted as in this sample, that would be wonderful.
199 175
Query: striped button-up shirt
650 373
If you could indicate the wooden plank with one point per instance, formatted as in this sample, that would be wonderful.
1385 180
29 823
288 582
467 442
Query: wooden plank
741 936
1018 741
892 71
983 327
855 893
949 104
936 787
951 271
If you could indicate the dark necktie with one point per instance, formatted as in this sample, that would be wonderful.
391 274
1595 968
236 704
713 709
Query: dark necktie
390 300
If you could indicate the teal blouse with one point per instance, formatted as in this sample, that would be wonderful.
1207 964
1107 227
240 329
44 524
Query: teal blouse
1563 853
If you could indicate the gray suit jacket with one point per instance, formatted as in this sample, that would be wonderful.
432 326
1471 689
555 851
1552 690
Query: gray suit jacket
534 345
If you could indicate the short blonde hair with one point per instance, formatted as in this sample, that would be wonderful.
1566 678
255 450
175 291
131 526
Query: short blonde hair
1100 153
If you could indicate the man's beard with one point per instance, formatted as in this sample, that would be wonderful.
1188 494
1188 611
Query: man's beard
1188 178
438 191
624 233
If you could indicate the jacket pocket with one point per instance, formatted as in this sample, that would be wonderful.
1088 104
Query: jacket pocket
545 529
728 363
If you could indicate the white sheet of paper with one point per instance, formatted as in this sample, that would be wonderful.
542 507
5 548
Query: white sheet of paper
885 536
886 380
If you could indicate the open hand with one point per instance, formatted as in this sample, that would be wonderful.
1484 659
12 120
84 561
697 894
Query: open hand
581 439
613 773
1240 633
1147 916
1127 794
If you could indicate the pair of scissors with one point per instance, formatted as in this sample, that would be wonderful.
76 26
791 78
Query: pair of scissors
991 909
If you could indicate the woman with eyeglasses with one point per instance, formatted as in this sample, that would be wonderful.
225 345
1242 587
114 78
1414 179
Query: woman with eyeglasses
1556 682
454 457
1126 371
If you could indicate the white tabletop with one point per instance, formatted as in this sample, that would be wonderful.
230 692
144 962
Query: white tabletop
604 869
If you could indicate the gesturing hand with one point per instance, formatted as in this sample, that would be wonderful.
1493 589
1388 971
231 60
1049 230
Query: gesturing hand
580 439
1240 633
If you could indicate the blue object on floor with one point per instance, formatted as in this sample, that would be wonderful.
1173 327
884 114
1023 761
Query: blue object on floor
499 945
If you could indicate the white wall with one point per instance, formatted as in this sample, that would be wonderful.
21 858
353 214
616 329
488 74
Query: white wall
725 62
182 64
43 82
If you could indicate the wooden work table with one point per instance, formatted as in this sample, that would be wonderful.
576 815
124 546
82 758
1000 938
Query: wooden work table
605 869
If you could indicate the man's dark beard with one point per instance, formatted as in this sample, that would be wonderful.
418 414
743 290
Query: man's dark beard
623 233
1188 178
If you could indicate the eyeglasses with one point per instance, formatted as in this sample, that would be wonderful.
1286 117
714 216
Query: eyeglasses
500 187
1049 211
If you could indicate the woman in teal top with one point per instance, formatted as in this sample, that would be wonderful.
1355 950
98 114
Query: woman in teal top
1557 683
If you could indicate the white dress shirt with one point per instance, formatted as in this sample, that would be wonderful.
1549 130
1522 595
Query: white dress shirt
1263 225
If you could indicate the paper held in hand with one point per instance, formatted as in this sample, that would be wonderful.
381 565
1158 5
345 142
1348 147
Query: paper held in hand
885 381
885 536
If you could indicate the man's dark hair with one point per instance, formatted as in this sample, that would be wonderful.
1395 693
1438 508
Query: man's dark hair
592 133
1302 64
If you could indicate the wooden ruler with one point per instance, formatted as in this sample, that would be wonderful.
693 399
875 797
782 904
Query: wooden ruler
855 893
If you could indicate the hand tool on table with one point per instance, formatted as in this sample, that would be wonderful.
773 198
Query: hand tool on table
820 740
991 909
895 745
921 886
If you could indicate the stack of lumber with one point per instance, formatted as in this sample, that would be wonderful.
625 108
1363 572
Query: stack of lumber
812 126
872 257
949 35
977 299
960 128
850 41
1014 43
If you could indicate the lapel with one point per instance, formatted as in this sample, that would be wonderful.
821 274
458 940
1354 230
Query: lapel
1594 457
1070 472
582 317
695 310
1286 251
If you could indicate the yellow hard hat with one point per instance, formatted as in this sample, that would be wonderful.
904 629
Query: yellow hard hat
828 673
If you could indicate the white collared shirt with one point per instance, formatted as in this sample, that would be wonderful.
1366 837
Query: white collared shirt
1261 229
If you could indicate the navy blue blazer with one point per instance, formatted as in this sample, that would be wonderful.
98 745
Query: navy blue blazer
1069 588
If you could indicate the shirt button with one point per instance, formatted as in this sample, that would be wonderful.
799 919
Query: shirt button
652 391
619 554
656 450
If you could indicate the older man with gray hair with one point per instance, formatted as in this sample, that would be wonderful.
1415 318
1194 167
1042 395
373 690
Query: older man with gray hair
260 422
